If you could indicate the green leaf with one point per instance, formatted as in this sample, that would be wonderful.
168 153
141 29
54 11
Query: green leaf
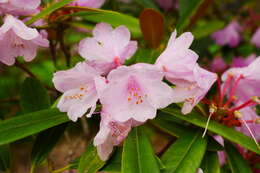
28 124
210 163
34 96
185 154
111 17
152 26
4 158
138 155
171 128
48 10
186 10
206 28
235 159
89 161
114 163
45 142
215 127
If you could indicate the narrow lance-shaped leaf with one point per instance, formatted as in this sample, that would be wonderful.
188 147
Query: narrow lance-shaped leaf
90 162
215 127
186 10
138 155
152 27
34 96
48 10
210 163
185 154
235 160
28 124
112 17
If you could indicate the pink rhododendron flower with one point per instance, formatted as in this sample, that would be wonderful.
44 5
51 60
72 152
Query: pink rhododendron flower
79 87
218 65
111 133
242 62
108 48
135 92
256 38
19 7
88 3
230 35
16 39
180 67
246 79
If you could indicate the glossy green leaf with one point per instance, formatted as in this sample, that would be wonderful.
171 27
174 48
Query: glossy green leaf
185 155
113 165
45 142
28 124
48 10
186 10
89 162
152 27
4 158
236 162
171 128
215 127
34 96
206 28
138 155
112 17
210 163
213 145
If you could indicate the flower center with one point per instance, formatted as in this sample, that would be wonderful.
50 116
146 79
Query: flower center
134 91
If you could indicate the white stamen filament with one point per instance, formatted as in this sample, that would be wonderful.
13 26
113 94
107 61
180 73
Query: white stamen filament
212 110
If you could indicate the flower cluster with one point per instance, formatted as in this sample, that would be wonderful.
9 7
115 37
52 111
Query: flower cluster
129 95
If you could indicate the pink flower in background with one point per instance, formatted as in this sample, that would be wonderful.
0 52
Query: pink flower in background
242 62
166 5
218 65
79 87
19 7
108 48
180 67
111 133
16 39
135 92
256 38
230 35
88 3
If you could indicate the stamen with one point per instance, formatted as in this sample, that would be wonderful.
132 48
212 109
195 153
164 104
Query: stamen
247 103
225 87
233 90
251 133
212 110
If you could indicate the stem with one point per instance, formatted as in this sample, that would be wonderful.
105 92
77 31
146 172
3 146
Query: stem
61 169
53 52
63 47
32 168
25 69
